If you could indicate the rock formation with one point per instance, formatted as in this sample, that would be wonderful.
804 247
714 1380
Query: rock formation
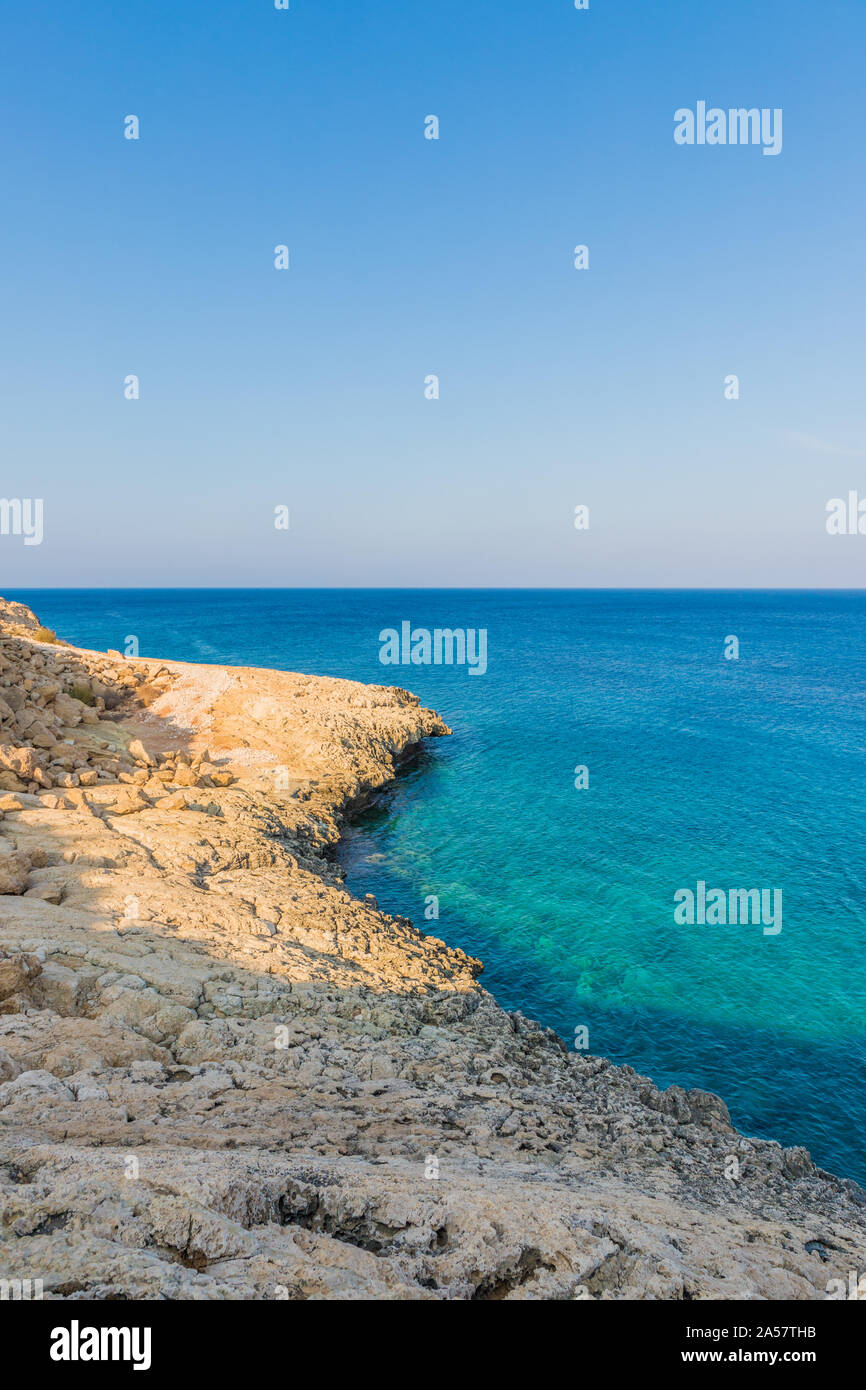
221 1076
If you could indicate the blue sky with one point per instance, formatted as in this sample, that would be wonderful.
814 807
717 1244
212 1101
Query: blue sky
412 257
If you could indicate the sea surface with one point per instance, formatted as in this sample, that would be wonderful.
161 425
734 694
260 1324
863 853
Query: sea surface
741 773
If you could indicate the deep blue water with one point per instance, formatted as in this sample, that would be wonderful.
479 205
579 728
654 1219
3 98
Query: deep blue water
742 773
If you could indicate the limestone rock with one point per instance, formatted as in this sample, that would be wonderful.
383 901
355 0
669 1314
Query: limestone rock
9 1068
35 1086
14 872
23 761
68 710
139 753
127 801
17 801
175 802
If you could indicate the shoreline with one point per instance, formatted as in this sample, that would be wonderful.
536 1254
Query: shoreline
317 1095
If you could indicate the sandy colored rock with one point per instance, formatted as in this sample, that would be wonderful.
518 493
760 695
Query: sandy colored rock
17 801
9 1068
23 761
127 801
14 871
68 710
175 802
139 753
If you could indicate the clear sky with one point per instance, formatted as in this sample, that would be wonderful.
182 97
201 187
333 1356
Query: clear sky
412 257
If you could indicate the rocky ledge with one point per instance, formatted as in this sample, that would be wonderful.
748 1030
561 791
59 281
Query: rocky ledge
221 1076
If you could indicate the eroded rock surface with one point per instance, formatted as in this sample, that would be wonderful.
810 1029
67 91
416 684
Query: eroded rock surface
221 1076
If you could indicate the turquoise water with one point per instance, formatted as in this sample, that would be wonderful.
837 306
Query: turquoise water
742 773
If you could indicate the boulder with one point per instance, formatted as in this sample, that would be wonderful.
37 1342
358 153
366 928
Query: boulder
34 1086
9 1068
14 870
138 751
24 762
68 710
17 973
17 801
127 801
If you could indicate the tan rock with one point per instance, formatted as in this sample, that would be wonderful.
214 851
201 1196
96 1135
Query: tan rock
77 797
68 710
14 872
127 801
17 973
41 737
17 801
139 753
23 761
9 1068
46 892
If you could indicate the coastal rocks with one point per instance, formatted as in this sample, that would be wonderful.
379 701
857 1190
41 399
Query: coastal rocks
797 1162
139 753
17 973
69 710
33 1086
24 762
17 801
57 803
126 802
688 1107
11 782
14 871
9 1068
221 1076
69 1046
143 1009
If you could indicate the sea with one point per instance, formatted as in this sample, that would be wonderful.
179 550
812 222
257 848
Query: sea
621 754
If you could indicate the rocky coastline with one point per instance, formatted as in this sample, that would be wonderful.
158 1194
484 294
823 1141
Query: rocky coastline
223 1077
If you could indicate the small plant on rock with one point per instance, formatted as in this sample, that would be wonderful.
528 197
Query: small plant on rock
82 693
